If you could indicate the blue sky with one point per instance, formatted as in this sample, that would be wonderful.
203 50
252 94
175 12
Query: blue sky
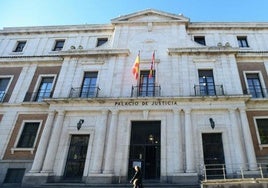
16 13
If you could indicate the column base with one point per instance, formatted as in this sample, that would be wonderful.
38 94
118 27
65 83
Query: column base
34 179
184 178
104 179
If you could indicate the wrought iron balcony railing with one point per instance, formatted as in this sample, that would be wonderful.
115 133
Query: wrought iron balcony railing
146 91
257 92
37 96
208 90
84 92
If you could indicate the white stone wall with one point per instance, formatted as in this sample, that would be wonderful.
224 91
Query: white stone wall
176 73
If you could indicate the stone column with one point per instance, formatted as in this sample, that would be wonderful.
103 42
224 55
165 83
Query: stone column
177 136
189 145
99 145
53 144
42 146
236 141
248 140
110 153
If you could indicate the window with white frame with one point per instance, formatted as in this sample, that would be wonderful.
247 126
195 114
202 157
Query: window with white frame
20 46
101 41
254 85
200 40
58 45
4 83
45 88
262 127
28 135
89 85
242 41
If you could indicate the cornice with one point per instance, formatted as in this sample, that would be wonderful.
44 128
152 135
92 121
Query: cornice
186 100
227 25
30 59
252 54
95 52
57 29
257 104
203 50
130 18
59 57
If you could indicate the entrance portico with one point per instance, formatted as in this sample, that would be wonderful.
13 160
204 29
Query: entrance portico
165 139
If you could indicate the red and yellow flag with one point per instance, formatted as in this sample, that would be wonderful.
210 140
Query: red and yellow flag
136 67
152 66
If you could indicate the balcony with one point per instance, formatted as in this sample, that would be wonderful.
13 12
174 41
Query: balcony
146 91
84 92
37 96
257 92
208 90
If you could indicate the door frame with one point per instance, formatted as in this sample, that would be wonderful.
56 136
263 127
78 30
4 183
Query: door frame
65 143
223 153
65 173
145 146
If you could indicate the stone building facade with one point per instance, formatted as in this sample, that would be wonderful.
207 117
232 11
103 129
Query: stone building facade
71 109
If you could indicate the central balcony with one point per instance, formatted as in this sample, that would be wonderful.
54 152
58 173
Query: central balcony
84 92
146 91
208 90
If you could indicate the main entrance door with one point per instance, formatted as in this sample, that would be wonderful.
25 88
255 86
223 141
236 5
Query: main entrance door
76 157
213 155
145 148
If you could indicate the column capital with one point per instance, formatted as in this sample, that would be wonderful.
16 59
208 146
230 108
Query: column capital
51 112
114 112
61 112
104 112
187 110
176 110
233 109
242 109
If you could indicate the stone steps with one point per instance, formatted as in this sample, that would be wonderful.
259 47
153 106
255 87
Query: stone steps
82 185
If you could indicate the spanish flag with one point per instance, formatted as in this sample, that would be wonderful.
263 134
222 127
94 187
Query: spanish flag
152 66
136 67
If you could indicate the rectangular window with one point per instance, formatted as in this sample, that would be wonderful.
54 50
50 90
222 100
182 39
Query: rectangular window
147 84
89 88
20 46
58 45
254 85
14 175
200 40
262 125
242 42
28 135
4 82
45 88
101 41
206 82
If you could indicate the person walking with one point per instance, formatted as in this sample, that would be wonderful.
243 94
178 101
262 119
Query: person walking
137 178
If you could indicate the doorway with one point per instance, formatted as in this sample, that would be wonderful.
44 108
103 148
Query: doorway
76 157
145 149
213 155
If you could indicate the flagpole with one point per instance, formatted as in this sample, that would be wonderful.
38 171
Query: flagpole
138 79
154 70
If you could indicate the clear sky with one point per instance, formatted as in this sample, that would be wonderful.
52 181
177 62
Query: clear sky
16 13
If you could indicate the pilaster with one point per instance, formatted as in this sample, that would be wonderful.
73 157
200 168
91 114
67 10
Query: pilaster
110 154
